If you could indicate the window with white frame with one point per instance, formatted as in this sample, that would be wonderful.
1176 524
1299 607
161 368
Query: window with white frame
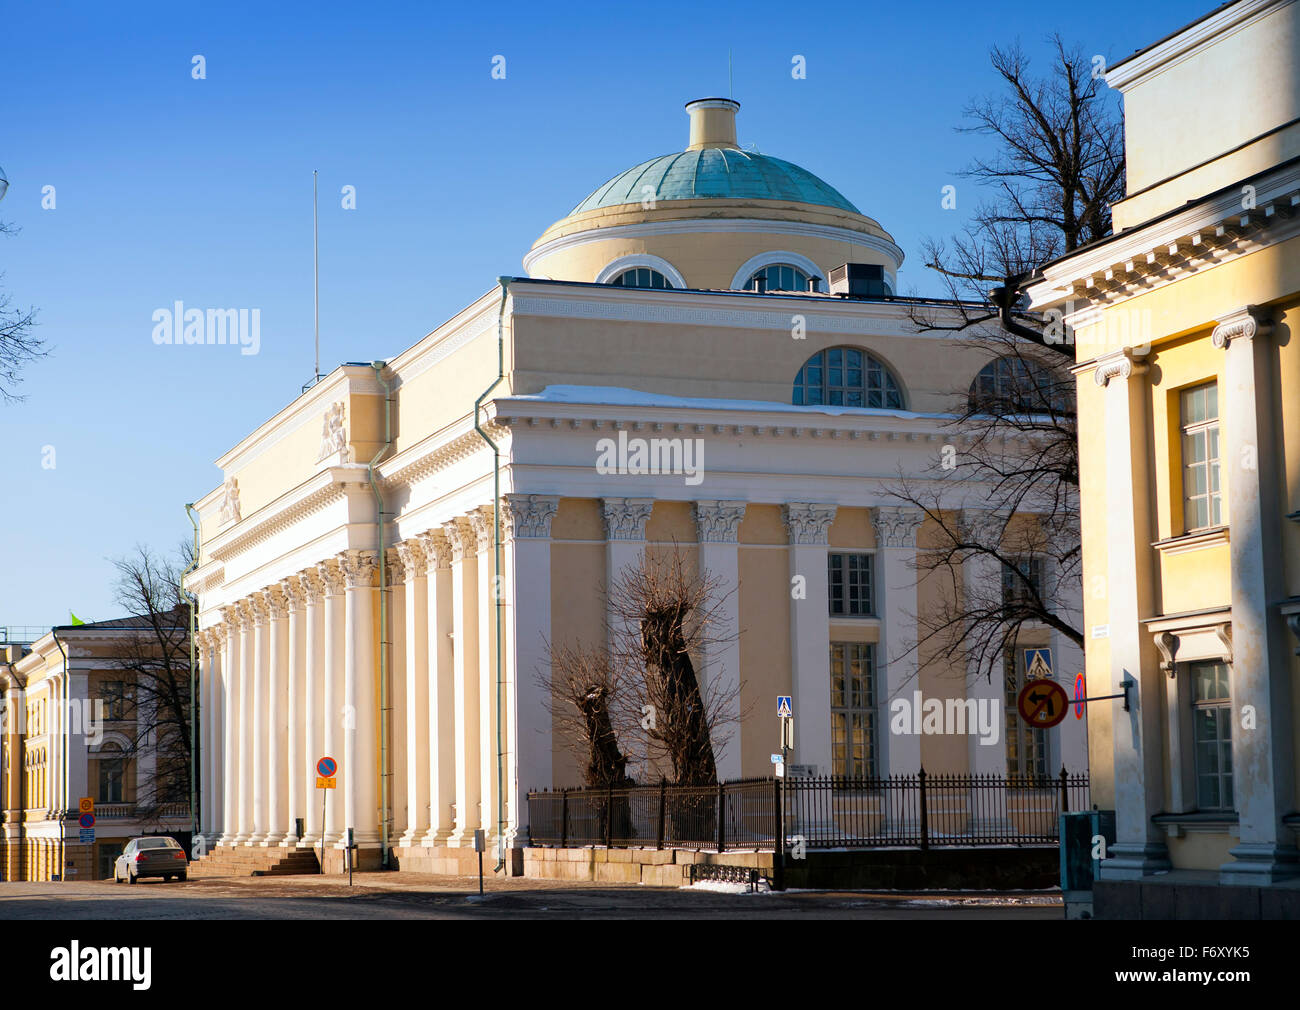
849 583
853 710
1212 734
1199 418
1022 587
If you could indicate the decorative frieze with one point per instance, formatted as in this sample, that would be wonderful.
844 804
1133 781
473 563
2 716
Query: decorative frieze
334 434
625 518
897 526
807 524
528 516
718 522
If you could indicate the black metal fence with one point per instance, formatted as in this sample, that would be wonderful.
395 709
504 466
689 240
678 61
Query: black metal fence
921 810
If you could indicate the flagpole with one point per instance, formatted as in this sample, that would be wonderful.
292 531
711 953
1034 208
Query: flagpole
315 230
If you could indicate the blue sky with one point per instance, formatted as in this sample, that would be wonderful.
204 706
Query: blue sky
169 188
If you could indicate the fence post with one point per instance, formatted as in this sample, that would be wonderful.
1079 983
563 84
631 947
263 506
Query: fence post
1065 795
925 816
778 858
722 816
564 819
663 795
609 816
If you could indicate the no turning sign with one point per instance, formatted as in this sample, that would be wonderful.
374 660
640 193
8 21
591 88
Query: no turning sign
1042 703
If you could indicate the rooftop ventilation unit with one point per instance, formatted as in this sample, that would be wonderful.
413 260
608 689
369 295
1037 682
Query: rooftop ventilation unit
858 280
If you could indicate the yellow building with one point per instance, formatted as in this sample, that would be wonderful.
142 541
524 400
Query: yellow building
730 314
1189 402
73 728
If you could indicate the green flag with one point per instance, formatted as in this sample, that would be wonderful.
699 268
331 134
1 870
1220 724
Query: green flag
75 618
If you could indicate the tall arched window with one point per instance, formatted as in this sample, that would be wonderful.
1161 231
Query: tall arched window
1013 384
779 277
846 377
641 277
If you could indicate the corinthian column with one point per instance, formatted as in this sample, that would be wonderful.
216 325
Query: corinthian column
717 525
290 773
415 599
261 605
311 714
360 768
896 544
230 729
247 721
465 646
489 589
808 525
332 691
440 727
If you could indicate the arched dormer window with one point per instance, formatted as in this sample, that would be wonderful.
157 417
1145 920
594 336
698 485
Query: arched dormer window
1013 384
846 377
641 277
778 277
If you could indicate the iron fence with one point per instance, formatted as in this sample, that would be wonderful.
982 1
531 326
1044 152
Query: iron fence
922 810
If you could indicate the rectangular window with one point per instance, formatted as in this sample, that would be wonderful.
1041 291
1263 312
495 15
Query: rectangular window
1202 498
853 709
111 777
1016 594
113 693
1212 734
849 579
1026 746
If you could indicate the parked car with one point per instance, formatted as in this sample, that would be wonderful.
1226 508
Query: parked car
155 856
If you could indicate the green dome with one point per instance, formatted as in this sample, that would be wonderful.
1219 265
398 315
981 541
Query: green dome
716 173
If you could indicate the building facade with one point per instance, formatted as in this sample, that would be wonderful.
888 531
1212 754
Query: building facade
683 371
1189 403
75 726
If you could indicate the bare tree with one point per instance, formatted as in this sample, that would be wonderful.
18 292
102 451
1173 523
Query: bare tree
18 345
580 685
155 657
1056 167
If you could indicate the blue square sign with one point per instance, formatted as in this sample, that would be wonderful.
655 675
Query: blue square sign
784 708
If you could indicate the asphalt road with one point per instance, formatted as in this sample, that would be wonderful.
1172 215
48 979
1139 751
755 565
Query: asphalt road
389 896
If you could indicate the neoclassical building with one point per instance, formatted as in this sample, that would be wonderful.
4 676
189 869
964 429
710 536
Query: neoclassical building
705 357
1189 403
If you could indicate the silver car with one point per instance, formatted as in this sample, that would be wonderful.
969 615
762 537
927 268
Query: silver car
156 856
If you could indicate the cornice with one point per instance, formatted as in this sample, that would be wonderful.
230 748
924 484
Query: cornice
1207 233
435 453
310 497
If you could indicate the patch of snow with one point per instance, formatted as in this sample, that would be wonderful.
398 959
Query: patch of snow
723 887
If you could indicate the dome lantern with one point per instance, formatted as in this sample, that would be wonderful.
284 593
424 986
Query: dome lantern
713 123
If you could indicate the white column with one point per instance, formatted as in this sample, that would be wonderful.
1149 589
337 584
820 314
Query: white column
360 768
277 729
244 739
440 727
465 660
260 606
1263 757
717 525
528 632
625 520
417 629
291 772
312 713
78 746
807 526
896 543
982 589
489 690
230 729
332 693
209 736
1137 734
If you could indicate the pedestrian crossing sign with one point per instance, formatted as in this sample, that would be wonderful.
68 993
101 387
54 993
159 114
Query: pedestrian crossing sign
1038 664
784 709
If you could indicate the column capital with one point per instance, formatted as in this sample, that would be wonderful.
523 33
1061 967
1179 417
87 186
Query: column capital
311 585
396 565
277 606
294 594
331 576
896 526
625 518
258 609
358 567
234 617
980 525
410 554
480 522
807 523
718 522
1119 364
1244 323
528 516
437 549
460 537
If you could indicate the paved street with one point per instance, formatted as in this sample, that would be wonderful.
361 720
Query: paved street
422 896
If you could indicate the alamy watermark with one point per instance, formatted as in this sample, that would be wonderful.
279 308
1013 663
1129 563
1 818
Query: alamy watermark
236 327
650 456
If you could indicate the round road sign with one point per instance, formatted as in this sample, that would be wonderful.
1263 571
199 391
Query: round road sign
1042 703
86 820
1080 692
326 767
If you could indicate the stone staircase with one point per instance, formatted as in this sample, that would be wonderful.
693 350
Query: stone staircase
254 861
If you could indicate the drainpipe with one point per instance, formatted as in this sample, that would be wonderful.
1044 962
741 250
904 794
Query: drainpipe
21 760
63 762
379 366
496 581
194 692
